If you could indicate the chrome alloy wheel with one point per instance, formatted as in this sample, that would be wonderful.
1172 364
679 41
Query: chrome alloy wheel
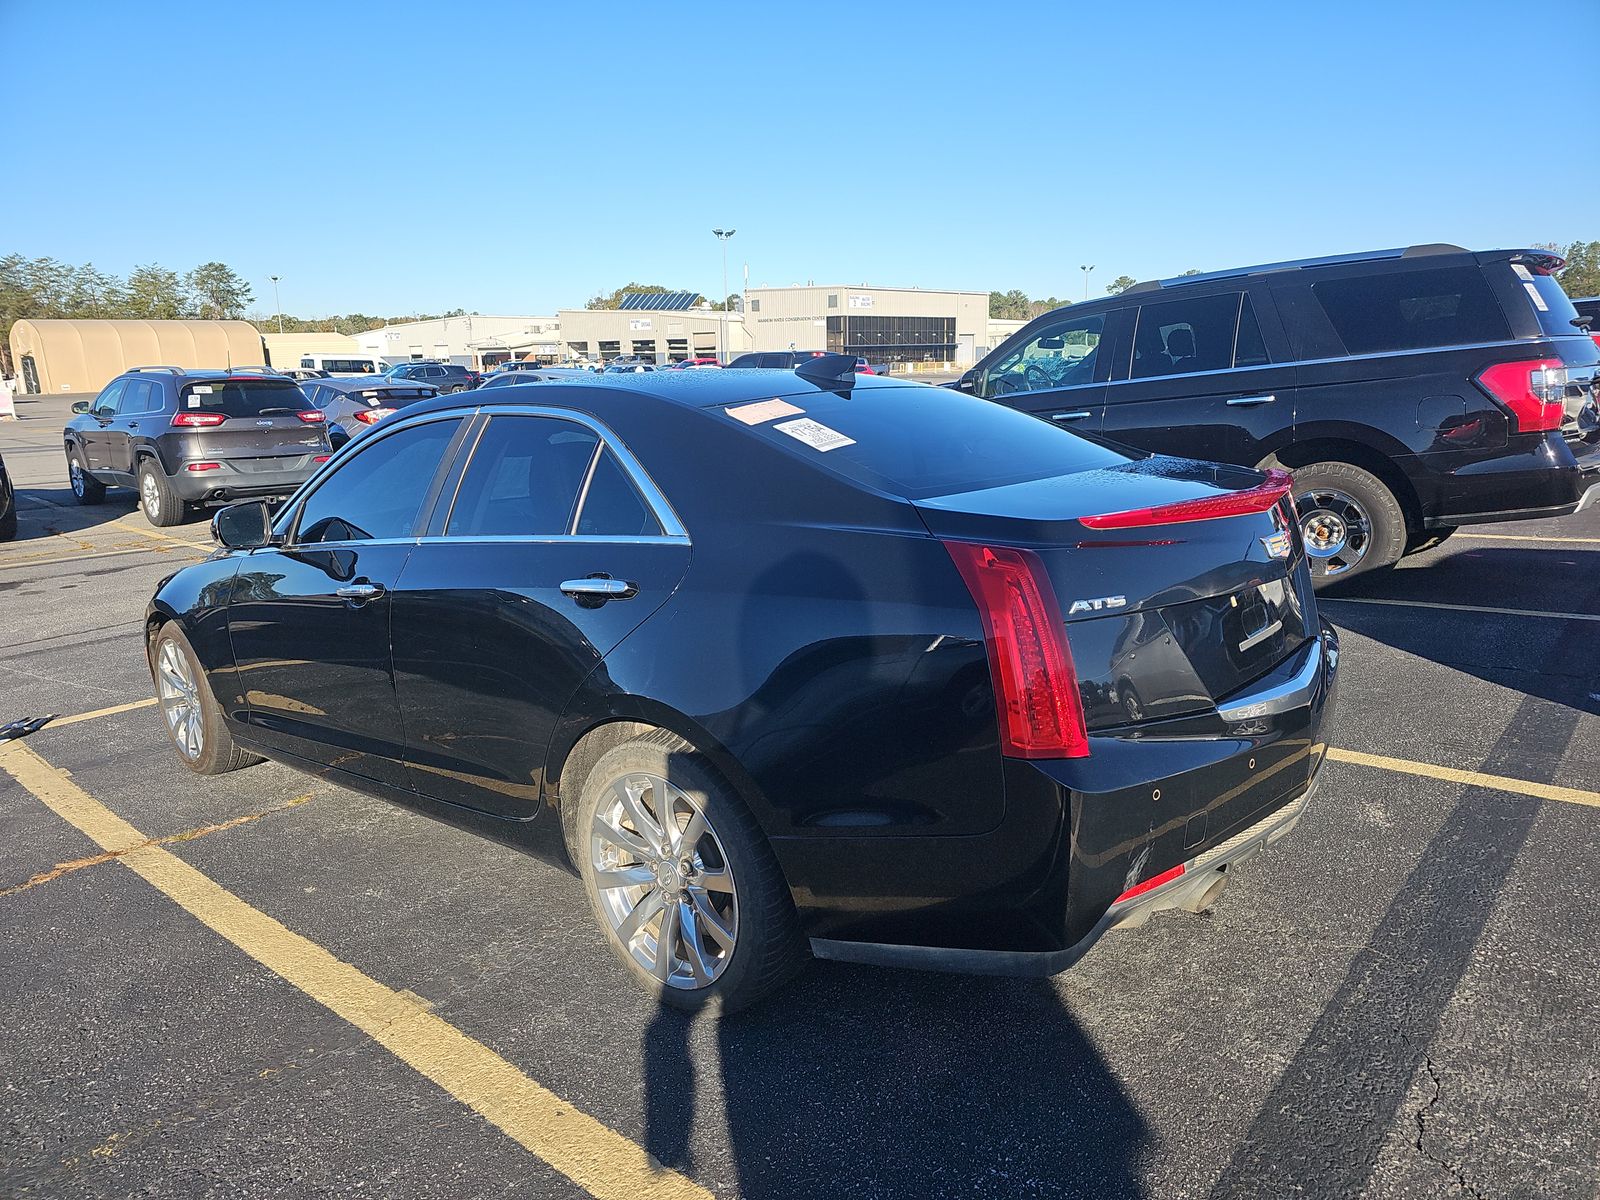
665 887
180 700
1336 529
152 498
75 474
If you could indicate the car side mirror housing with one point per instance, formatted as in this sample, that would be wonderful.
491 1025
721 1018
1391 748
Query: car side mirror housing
243 526
80 407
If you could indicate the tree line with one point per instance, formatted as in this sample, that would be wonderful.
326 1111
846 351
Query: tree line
1581 277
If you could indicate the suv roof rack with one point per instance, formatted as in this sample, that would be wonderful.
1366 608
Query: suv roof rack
174 370
258 368
1330 260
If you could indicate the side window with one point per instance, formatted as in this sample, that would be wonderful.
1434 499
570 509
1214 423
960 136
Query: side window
378 492
1409 310
1181 336
135 398
435 372
523 479
612 507
106 402
1250 350
1061 354
319 396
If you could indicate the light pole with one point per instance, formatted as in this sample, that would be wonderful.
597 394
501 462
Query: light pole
276 303
1086 271
722 235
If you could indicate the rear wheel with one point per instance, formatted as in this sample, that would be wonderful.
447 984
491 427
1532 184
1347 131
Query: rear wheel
1427 539
86 489
162 506
681 879
192 714
1350 521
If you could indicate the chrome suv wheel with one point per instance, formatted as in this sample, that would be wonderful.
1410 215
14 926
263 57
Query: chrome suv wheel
1337 531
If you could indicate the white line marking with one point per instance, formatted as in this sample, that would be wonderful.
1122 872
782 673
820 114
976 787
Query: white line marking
1473 608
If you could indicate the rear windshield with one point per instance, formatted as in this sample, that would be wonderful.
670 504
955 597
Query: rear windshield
1550 303
918 442
1412 310
245 397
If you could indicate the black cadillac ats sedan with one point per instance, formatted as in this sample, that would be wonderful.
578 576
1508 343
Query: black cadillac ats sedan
782 662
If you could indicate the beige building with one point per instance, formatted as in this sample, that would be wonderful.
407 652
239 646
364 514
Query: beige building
882 325
660 327
81 357
286 349
475 340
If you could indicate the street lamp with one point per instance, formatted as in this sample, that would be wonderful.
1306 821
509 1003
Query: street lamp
1085 271
276 303
722 235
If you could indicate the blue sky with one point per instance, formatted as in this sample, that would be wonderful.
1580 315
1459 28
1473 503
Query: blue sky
399 157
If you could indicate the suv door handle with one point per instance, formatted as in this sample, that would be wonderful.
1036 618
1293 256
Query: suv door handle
1247 401
600 588
359 592
1078 415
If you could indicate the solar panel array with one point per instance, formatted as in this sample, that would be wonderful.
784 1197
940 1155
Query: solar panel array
660 301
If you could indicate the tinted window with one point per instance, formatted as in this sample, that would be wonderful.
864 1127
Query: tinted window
1407 310
523 479
1061 354
918 442
139 397
1554 310
1249 350
244 397
377 492
612 507
106 402
1185 335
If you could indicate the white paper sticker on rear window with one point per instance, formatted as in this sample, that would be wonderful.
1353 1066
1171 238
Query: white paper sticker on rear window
765 410
1533 294
815 434
201 389
1522 272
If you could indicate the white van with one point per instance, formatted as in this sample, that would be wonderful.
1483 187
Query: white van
340 364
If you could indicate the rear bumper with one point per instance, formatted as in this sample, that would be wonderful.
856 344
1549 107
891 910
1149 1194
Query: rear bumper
227 483
1081 834
1549 478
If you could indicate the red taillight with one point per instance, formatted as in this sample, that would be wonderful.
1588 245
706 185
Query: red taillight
201 420
322 458
371 416
311 416
1531 389
1596 337
1225 504
1036 688
202 466
1150 884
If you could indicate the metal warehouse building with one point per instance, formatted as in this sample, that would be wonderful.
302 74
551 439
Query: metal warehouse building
661 327
83 356
889 325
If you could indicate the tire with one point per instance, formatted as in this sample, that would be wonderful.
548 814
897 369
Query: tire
1350 521
192 716
759 946
162 506
8 524
86 489
1427 539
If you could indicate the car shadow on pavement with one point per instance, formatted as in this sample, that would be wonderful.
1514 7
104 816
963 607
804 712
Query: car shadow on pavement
47 512
864 1082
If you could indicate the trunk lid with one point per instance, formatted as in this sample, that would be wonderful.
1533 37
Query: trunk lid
249 418
1163 619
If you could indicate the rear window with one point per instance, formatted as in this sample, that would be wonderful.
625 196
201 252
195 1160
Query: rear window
918 442
1410 310
1550 304
244 397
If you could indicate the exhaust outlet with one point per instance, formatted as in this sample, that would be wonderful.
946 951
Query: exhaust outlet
1203 898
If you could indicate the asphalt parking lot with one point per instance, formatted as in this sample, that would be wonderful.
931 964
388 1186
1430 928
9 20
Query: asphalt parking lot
264 984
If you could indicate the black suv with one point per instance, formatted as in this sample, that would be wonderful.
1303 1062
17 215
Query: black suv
446 377
1409 391
784 360
188 437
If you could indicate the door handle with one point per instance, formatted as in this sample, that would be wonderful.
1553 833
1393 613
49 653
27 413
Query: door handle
1247 401
1079 415
600 588
359 591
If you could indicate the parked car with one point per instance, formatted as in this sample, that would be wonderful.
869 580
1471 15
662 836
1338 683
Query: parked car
8 505
786 360
689 363
186 437
446 377
780 662
341 364
354 405
299 374
519 364
1409 391
1589 309
616 367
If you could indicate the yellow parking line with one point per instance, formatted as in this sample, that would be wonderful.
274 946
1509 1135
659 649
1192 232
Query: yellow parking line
1473 608
27 561
1501 783
102 712
597 1159
1527 537
162 537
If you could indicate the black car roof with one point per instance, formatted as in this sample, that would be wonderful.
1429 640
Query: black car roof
1430 250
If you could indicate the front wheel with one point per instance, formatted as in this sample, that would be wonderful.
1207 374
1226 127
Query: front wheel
86 489
1350 521
192 714
682 881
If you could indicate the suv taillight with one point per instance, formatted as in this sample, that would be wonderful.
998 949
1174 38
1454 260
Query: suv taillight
198 420
1036 687
1531 389
312 416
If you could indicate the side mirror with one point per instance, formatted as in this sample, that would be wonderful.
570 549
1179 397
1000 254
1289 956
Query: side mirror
243 526
80 407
